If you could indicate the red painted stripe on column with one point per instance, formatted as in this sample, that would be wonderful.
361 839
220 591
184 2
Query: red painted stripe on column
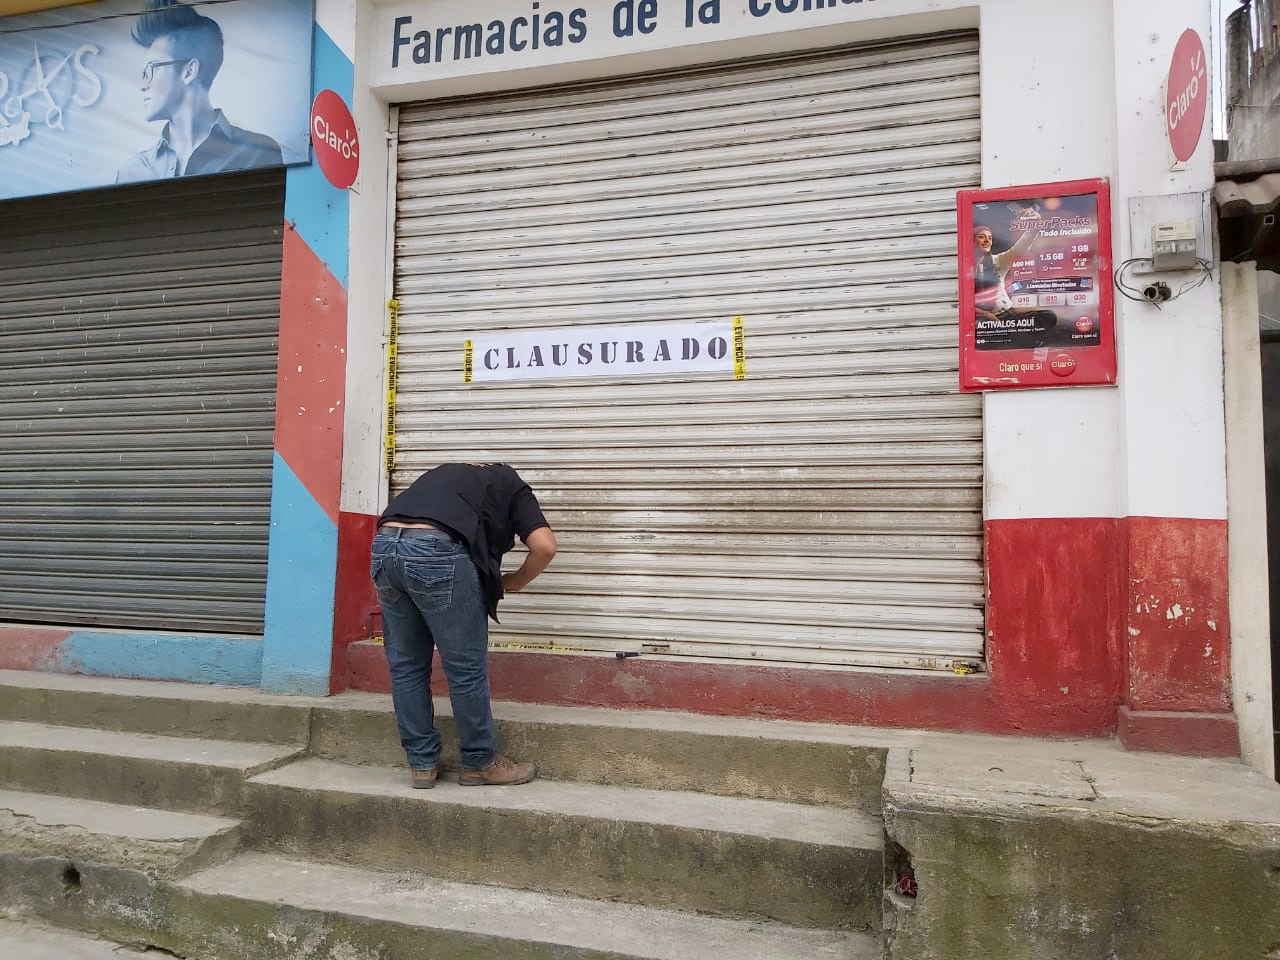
355 600
1055 621
311 383
1179 633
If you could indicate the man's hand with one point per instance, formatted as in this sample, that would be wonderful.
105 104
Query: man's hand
542 547
513 582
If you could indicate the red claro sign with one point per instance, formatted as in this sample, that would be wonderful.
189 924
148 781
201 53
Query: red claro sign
333 132
1186 96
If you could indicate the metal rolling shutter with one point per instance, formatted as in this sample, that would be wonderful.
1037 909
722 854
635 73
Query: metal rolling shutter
827 509
137 384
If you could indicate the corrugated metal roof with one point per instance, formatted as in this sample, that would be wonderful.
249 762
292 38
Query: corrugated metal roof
1247 195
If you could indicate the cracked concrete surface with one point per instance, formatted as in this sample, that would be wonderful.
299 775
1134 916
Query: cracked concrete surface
1088 775
1061 850
157 843
30 941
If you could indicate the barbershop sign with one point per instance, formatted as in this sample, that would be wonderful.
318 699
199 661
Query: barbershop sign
633 351
125 91
417 40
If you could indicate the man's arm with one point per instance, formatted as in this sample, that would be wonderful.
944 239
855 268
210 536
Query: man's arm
1020 246
542 547
1005 260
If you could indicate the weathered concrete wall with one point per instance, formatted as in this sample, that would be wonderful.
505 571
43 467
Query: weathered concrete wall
1011 884
1060 859
1250 600
1254 133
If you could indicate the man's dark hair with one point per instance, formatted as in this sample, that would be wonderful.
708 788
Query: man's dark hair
195 37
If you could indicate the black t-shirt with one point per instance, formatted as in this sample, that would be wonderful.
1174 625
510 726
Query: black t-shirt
486 506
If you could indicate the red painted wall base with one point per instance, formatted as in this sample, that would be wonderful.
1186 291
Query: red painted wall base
1178 629
927 701
1059 651
29 648
1168 731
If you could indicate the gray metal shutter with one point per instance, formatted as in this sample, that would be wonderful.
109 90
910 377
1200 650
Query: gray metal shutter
137 384
827 509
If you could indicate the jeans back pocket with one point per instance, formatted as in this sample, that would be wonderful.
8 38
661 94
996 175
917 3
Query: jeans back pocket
429 582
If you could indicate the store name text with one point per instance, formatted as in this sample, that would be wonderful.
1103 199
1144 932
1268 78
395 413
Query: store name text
49 85
555 28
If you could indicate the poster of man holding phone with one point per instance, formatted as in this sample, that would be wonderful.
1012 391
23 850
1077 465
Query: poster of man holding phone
1035 292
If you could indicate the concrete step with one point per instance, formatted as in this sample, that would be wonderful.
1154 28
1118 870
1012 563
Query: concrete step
440 918
199 776
149 706
260 906
794 863
31 941
817 764
79 832
791 863
770 760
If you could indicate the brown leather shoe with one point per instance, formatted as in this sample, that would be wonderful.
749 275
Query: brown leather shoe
503 772
424 779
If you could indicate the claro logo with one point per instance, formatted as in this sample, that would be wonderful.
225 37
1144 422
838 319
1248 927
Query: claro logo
333 132
1181 101
345 144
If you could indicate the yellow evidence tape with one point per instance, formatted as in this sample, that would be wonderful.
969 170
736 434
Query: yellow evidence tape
739 350
393 375
515 645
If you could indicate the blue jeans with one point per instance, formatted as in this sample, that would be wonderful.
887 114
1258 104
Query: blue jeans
431 599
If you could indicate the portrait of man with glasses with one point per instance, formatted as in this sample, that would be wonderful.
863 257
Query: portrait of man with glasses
183 54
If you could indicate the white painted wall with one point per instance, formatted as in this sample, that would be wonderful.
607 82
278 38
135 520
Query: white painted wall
1049 453
364 478
1154 446
1171 391
337 18
346 24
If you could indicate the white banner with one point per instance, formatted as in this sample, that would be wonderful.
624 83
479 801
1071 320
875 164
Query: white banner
632 351
416 41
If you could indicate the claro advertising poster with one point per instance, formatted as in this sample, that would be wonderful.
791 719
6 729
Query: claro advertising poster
126 91
1036 301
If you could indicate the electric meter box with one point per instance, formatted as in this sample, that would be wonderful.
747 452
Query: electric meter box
1173 245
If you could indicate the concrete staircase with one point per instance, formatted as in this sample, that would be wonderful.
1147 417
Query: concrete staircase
224 824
